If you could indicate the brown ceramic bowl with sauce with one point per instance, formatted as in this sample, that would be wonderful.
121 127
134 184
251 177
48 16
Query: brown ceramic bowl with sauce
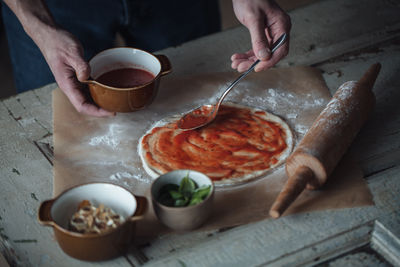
126 79
58 212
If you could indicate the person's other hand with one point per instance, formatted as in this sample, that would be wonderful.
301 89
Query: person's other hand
64 54
266 22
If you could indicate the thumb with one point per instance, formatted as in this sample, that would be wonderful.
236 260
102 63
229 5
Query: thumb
81 67
259 40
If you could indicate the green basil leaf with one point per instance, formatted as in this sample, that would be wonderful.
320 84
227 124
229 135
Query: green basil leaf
202 192
181 202
175 194
187 187
194 201
193 185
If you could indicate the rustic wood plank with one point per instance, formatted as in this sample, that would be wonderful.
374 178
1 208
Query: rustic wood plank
20 114
320 31
259 243
26 180
3 261
32 112
386 241
44 95
47 150
46 146
44 111
319 34
368 244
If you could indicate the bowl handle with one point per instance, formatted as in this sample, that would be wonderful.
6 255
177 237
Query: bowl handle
44 215
165 64
141 209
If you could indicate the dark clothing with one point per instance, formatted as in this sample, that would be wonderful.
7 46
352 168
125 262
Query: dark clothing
147 24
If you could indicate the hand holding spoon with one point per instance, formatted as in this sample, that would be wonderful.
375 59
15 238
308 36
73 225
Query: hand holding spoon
203 115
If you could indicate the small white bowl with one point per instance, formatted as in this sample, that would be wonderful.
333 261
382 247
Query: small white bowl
182 218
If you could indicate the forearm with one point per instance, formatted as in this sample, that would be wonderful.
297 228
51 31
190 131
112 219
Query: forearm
34 16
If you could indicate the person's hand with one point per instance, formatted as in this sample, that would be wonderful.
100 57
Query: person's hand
266 22
62 51
64 55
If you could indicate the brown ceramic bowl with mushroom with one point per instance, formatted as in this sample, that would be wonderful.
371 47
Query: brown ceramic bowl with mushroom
113 213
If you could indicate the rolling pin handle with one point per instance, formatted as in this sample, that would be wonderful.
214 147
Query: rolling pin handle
292 189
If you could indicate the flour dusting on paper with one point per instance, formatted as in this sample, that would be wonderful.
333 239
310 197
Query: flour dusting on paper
128 175
280 97
281 102
106 149
104 140
109 150
110 139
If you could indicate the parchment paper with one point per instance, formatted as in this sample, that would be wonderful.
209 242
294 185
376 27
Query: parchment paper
89 149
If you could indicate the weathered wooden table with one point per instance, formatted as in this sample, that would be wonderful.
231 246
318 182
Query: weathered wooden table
341 38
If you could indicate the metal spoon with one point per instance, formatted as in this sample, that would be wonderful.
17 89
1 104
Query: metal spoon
205 114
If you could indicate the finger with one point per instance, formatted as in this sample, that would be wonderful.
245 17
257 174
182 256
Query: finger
82 105
93 110
238 56
248 54
259 39
276 57
81 67
263 65
73 90
236 62
244 65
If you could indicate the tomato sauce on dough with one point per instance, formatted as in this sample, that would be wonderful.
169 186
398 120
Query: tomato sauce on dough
237 143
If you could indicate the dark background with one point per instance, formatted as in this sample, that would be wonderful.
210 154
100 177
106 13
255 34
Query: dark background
7 87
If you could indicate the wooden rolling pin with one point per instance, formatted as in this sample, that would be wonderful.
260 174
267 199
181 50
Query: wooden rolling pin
327 140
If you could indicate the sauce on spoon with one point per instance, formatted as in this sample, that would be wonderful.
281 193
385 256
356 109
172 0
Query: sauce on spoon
199 116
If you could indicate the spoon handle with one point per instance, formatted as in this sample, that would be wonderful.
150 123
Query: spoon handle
275 46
